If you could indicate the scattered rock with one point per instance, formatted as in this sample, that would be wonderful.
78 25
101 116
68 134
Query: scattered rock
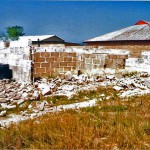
20 101
117 88
33 115
45 89
42 105
68 75
144 74
3 100
147 83
13 94
3 113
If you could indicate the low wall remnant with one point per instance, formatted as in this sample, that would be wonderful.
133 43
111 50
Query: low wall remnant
55 63
19 62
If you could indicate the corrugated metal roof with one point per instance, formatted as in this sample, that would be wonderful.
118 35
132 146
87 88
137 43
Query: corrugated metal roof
136 32
36 37
23 41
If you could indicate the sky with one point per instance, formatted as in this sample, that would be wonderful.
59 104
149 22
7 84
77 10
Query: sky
73 21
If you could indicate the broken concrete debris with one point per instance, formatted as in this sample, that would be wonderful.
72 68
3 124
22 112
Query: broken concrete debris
14 95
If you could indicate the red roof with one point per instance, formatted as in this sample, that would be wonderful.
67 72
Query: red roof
139 31
142 22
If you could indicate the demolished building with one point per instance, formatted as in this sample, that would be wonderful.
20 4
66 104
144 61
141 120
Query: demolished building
29 58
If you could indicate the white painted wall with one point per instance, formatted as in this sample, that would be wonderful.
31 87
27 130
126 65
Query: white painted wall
18 60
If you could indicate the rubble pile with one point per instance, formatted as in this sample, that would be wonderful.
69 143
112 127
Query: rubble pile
14 94
132 86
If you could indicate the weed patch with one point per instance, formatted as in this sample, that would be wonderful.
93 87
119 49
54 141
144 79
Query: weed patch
111 124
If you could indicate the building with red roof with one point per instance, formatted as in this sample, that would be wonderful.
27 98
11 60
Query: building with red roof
135 38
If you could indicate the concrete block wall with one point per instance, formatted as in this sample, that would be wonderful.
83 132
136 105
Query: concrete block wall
142 63
98 61
19 62
90 61
135 47
115 61
50 64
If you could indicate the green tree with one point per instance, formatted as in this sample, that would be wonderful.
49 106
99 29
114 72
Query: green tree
14 32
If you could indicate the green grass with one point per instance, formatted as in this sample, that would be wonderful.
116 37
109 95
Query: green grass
114 108
111 124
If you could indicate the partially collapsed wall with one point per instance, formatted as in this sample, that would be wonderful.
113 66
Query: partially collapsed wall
48 64
19 62
140 64
52 61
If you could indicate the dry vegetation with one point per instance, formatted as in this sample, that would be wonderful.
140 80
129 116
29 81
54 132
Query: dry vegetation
111 124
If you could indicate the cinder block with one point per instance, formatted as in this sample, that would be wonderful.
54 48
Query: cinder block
40 70
72 54
37 54
36 65
63 54
87 66
102 62
118 63
69 59
44 74
108 61
54 54
112 56
96 61
45 54
73 68
74 59
49 70
86 55
55 65
39 59
122 57
63 64
54 74
92 56
67 68
45 64
59 59
51 59
73 64
101 66
88 60
59 70
95 66
36 75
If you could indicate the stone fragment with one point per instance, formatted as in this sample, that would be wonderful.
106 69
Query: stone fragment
147 83
45 89
117 88
24 95
20 102
36 95
16 97
33 115
144 74
42 105
3 100
3 113
68 75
